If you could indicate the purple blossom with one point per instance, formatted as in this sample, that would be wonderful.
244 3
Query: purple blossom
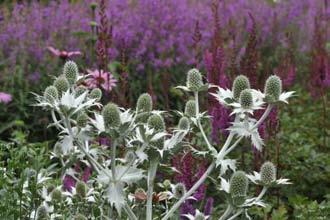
5 98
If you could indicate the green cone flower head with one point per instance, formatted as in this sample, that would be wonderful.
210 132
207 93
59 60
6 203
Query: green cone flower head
241 82
111 116
179 190
144 103
62 84
51 94
80 217
82 120
96 93
238 187
56 195
267 173
80 90
246 99
81 189
156 122
71 72
194 80
42 213
190 108
184 123
273 88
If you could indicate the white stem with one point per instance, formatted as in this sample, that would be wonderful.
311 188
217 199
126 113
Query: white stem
57 124
113 160
236 215
129 212
151 177
211 148
263 117
233 146
227 212
190 192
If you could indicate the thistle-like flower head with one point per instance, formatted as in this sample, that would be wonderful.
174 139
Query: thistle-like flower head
96 93
246 99
184 123
144 103
241 83
190 108
273 88
81 189
56 195
82 120
71 72
267 173
80 90
111 116
156 122
62 85
194 80
238 187
51 94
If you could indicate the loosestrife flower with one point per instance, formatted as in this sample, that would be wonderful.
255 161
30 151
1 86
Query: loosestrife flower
5 97
100 78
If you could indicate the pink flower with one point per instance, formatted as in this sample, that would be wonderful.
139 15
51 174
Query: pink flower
5 97
99 78
63 54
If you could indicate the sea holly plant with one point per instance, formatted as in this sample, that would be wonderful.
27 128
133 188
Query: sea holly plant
125 147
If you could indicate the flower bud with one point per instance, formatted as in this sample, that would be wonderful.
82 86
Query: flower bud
111 116
194 80
238 187
144 103
184 123
42 213
96 93
167 183
179 190
82 120
81 189
273 88
62 85
56 195
93 5
246 99
267 173
71 72
80 217
80 90
190 108
241 82
156 122
51 94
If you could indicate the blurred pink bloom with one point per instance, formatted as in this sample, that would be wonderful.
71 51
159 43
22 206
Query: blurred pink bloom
63 54
5 97
99 78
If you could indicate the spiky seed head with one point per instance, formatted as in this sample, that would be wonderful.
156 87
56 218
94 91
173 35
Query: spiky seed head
111 116
61 84
194 80
71 71
179 190
81 189
96 93
246 99
241 82
56 195
51 94
267 173
80 217
144 103
80 90
82 120
42 213
273 88
200 216
190 108
156 122
184 123
238 187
